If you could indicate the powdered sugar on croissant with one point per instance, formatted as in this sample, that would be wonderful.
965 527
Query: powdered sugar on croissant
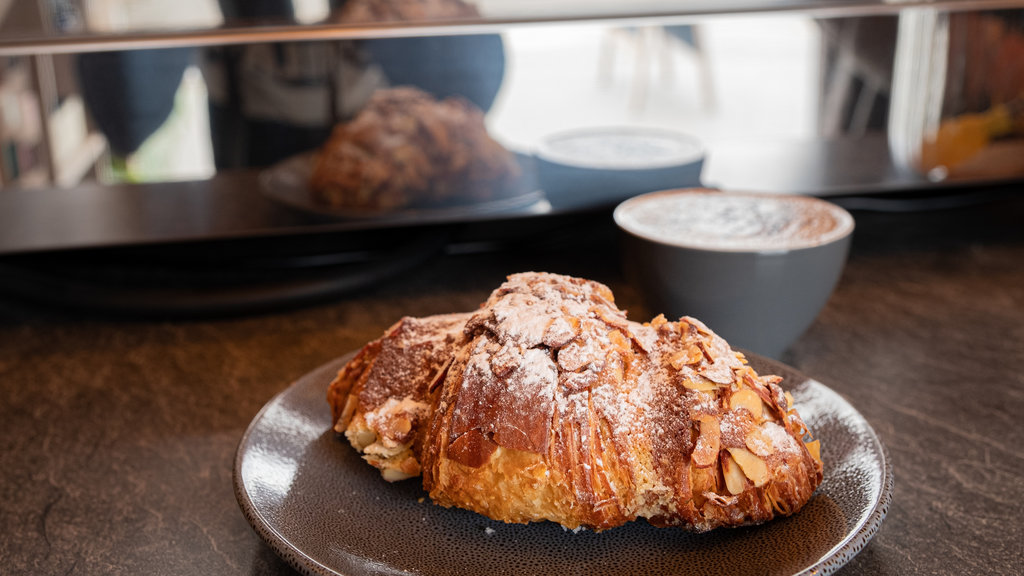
550 405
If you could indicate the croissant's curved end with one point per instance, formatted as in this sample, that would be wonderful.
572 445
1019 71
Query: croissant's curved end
380 400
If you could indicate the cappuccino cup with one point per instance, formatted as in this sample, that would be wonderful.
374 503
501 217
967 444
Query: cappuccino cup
755 268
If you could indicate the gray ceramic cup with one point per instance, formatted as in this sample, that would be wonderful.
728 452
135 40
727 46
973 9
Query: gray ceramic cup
591 167
755 268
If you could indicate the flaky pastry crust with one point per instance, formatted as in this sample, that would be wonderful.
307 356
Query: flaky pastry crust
549 404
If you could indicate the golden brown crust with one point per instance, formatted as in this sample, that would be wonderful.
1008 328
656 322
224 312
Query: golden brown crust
551 405
407 149
381 398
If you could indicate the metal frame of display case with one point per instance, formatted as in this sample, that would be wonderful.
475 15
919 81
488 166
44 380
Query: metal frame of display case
50 41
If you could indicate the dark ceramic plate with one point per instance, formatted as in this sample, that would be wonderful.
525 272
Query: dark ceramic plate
287 183
325 511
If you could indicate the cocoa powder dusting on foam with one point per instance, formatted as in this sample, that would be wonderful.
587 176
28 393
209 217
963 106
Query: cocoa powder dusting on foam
732 221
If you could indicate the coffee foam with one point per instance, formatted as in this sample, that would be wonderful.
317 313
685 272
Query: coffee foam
711 220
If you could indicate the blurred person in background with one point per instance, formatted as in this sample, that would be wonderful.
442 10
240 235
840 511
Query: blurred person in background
271 101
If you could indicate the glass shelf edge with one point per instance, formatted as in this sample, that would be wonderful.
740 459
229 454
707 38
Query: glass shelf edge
69 44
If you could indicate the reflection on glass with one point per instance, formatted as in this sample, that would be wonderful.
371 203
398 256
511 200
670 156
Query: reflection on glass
958 110
952 88
268 102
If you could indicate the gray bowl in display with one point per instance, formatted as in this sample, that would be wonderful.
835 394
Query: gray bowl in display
595 167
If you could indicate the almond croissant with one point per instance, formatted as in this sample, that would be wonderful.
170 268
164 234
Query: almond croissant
548 404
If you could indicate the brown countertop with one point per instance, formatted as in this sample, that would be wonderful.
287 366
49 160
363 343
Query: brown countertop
119 435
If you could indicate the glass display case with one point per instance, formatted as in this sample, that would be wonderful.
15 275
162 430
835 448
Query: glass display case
156 125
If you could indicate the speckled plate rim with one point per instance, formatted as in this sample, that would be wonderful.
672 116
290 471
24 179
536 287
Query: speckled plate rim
855 540
278 542
859 538
862 534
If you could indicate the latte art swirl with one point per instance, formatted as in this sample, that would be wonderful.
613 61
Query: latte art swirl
727 221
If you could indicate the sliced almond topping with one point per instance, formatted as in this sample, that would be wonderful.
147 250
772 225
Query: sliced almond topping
402 426
735 481
747 374
753 466
410 466
506 360
795 425
704 480
362 438
440 376
747 398
763 392
609 317
678 360
758 442
705 352
346 413
614 372
394 474
561 331
688 357
699 326
702 385
708 442
619 340
814 447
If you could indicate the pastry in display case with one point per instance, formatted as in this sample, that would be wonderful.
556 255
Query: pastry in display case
408 149
958 95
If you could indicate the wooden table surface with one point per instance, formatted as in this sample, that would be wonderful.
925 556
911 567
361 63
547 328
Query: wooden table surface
118 434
